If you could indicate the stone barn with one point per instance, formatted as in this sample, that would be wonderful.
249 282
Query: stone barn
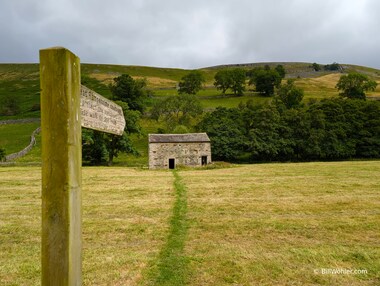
166 151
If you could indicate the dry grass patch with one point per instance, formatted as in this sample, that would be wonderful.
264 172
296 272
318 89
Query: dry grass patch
9 75
105 78
152 81
20 226
126 215
278 224
125 224
157 82
325 81
320 87
375 94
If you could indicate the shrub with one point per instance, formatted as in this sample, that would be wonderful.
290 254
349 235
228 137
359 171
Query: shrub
2 154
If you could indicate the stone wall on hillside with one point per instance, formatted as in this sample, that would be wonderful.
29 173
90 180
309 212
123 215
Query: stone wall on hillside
24 151
18 121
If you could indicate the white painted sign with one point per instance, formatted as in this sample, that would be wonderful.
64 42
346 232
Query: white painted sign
100 113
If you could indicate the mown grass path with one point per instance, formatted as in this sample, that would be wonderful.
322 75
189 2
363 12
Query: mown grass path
172 264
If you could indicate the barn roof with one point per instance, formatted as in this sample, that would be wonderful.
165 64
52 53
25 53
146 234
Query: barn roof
178 138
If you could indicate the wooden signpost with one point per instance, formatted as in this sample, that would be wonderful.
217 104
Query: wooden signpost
63 112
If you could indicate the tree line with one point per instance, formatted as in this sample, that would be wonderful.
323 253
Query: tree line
330 67
264 79
332 129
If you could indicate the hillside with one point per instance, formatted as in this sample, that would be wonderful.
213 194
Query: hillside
20 83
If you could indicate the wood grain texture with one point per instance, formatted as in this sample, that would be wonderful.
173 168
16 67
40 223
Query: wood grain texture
61 167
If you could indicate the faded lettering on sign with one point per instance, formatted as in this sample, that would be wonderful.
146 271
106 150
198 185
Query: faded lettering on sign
100 113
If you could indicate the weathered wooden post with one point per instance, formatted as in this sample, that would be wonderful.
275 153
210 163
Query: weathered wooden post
65 107
61 167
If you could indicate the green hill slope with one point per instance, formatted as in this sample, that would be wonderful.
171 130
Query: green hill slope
19 83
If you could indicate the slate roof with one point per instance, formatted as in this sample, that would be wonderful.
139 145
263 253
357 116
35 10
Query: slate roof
178 138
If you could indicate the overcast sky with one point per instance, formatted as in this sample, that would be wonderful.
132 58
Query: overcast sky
193 34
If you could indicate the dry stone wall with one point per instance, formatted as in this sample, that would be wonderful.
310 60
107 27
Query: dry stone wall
17 121
24 151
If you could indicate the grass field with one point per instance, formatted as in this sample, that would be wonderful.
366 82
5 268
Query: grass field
265 224
125 219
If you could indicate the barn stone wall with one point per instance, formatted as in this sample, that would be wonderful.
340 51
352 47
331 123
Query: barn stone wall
184 153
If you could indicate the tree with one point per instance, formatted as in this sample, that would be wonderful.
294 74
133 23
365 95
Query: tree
313 144
264 134
177 110
368 145
337 142
237 81
281 71
223 80
116 144
233 79
316 67
94 150
180 129
225 128
265 80
354 85
290 95
2 154
100 148
332 67
130 91
191 83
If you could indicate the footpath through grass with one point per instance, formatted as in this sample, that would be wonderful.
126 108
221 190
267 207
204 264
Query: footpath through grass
172 263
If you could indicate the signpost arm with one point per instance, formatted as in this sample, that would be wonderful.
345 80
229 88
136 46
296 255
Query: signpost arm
61 255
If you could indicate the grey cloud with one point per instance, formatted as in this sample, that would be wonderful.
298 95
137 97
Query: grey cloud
192 34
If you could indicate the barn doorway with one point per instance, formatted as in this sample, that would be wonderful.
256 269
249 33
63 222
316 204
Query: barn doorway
171 163
204 160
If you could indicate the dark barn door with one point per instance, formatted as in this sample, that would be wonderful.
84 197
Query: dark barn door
171 163
204 160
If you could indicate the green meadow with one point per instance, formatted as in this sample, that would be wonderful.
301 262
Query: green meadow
263 224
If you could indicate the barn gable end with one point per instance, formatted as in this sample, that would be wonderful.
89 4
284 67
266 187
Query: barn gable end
169 150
